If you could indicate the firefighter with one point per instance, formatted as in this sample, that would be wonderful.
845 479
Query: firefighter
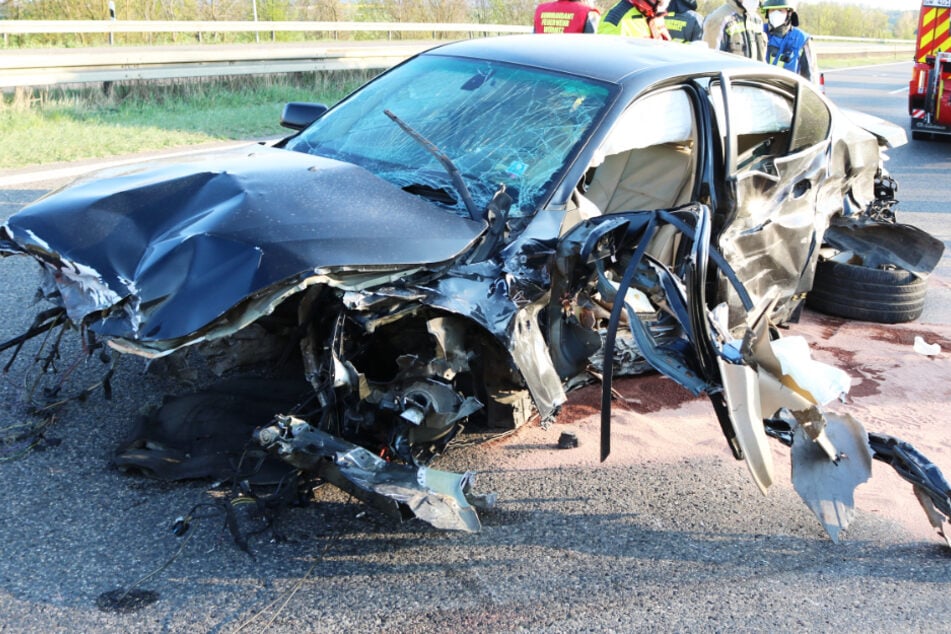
787 45
636 18
737 27
566 16
683 22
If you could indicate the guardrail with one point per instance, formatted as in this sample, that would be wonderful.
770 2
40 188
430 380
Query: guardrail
836 45
34 27
51 67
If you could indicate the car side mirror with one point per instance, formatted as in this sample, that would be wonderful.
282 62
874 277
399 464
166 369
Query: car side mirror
297 115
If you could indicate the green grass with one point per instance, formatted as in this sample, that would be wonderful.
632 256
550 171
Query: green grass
870 60
49 127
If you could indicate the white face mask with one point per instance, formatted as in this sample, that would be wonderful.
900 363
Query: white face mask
777 18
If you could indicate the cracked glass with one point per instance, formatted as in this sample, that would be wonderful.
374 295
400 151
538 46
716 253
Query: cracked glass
498 124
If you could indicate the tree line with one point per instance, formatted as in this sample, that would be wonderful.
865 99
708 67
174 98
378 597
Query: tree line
820 18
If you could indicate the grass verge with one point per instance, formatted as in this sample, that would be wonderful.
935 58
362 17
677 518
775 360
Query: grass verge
49 126
866 60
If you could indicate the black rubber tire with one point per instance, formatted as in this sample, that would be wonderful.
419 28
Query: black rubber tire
856 292
918 135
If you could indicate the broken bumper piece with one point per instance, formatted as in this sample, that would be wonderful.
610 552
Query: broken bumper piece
440 498
826 484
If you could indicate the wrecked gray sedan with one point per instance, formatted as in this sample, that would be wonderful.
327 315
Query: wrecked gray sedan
487 226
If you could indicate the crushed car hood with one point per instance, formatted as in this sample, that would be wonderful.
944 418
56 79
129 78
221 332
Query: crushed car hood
181 244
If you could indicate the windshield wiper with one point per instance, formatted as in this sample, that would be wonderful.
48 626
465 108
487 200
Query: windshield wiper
454 176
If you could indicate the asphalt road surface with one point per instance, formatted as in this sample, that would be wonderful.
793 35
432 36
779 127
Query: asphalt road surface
641 543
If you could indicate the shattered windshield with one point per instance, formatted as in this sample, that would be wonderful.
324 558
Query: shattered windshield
497 123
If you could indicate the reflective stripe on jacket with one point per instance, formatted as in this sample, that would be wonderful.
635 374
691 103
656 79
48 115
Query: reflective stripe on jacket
686 26
623 19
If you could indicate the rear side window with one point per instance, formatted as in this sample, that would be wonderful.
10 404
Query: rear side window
812 122
760 117
770 121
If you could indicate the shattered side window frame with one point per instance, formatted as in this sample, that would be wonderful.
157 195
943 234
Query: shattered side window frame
761 117
637 165
812 120
809 124
632 129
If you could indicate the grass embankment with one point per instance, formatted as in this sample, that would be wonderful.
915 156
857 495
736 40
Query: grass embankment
52 126
869 60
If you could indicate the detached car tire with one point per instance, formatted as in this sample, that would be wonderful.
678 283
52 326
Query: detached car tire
857 292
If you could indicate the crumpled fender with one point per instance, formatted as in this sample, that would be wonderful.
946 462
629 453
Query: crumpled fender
887 244
178 245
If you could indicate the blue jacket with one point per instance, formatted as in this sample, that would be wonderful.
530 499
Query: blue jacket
786 50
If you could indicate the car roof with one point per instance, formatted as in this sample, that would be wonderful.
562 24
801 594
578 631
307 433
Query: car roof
604 57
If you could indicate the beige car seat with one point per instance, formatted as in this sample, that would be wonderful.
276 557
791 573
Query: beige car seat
655 177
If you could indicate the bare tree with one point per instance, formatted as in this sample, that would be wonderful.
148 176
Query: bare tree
447 10
505 11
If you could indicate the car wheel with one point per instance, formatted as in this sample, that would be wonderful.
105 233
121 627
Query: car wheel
856 292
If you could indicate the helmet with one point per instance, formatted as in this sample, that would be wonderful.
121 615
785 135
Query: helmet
789 5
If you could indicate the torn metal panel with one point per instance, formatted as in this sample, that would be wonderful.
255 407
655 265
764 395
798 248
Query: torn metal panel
776 205
786 379
935 516
741 388
478 292
856 158
529 256
930 486
530 353
437 497
827 486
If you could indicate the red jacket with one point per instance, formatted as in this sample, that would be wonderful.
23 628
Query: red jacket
562 16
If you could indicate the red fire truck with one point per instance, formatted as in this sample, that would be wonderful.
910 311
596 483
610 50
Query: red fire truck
929 92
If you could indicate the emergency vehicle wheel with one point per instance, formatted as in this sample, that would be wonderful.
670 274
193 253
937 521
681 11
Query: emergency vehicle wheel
917 135
883 296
